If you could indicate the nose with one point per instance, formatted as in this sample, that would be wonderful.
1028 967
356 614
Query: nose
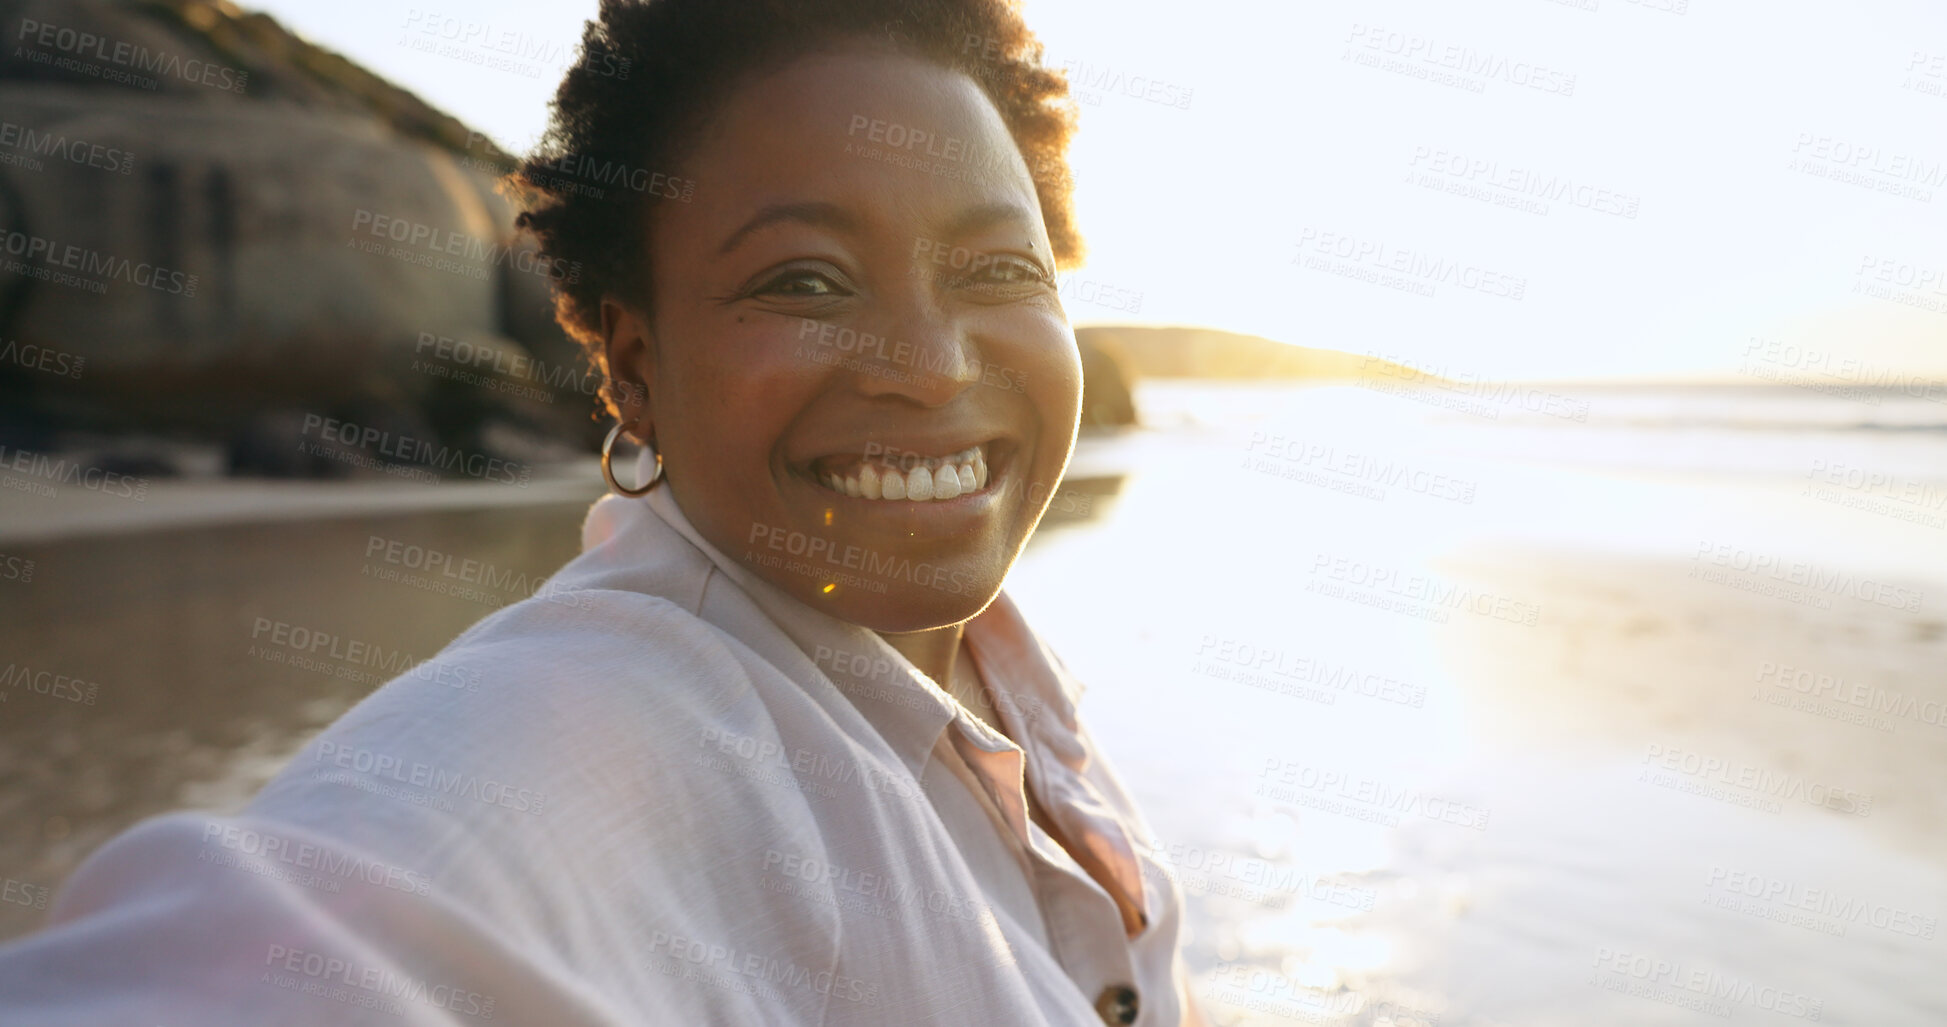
930 359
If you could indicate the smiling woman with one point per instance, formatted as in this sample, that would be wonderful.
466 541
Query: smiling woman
776 748
792 229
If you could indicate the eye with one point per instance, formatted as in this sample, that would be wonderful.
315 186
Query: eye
1015 270
800 282
1008 273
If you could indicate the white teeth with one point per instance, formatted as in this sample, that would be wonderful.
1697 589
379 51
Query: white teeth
941 478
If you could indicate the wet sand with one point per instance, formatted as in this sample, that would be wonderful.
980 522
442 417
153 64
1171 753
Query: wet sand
1613 792
190 638
180 631
1624 795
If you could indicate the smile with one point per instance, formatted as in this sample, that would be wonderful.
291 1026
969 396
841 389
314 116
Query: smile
907 478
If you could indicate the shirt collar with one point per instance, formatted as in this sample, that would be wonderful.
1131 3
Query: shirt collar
1034 693
907 708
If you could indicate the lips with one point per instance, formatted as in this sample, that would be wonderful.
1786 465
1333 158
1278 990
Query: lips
898 475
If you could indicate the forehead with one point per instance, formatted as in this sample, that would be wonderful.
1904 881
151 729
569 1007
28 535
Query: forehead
894 137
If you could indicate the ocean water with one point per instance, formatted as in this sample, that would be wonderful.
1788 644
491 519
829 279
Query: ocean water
1602 706
1594 706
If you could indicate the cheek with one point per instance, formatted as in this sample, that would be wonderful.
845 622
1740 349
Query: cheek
1054 381
732 399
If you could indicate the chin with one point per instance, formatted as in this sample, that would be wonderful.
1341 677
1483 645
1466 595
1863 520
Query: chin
899 617
905 607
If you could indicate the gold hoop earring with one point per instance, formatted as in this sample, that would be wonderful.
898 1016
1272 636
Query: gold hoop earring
608 468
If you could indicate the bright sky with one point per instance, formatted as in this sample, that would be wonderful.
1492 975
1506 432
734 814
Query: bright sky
1784 160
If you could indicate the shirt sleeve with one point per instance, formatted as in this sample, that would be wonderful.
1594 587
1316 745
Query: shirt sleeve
542 849
196 920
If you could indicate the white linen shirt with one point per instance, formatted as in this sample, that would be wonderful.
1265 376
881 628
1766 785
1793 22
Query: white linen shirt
662 791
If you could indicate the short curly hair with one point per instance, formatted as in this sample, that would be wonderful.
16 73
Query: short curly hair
650 72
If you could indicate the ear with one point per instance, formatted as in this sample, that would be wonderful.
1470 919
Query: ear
629 355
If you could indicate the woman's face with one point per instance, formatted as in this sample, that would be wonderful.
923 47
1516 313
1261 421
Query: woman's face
859 375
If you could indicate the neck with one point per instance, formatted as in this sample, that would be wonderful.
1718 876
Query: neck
938 654
933 651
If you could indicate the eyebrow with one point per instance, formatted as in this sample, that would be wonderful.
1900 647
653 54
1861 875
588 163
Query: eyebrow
986 216
831 215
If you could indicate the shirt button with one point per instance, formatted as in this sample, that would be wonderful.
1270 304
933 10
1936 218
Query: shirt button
1118 1003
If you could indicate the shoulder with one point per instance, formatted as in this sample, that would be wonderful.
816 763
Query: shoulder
550 726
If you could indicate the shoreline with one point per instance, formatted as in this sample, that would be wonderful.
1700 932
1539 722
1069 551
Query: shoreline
204 502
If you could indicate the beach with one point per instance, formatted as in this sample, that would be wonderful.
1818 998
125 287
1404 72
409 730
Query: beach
1552 706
